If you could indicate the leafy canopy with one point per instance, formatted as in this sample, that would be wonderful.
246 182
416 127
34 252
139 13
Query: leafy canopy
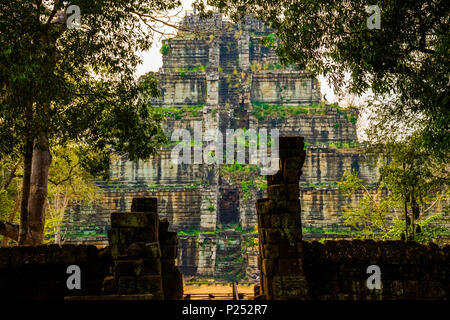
406 60
78 85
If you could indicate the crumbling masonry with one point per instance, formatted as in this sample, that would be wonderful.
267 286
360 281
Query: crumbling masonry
143 253
279 225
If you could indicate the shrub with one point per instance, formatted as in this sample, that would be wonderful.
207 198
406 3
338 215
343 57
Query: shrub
164 48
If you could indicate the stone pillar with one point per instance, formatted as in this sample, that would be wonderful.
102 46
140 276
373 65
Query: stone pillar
172 279
143 254
206 255
213 56
135 251
243 49
212 88
279 226
208 208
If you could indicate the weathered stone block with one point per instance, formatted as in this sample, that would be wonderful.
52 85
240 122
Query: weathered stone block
432 290
163 225
129 235
151 267
148 220
289 250
113 237
271 251
173 285
126 285
275 179
293 192
289 266
275 221
168 266
109 285
292 142
411 289
290 287
263 206
125 267
272 236
169 251
268 266
149 284
21 256
277 191
136 250
290 221
291 169
144 205
168 238
152 250
293 206
291 235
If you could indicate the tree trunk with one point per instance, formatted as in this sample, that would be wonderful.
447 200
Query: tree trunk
38 190
24 226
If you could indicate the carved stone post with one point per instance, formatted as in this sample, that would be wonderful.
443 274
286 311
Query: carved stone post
279 226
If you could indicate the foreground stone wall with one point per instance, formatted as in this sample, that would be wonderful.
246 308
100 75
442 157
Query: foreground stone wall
338 270
40 273
140 261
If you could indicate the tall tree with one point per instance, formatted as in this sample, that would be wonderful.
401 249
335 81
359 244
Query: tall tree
61 85
404 60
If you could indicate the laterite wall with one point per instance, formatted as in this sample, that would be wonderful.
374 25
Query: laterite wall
337 270
40 273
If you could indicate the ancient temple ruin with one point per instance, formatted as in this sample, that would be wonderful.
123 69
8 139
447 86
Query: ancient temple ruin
227 76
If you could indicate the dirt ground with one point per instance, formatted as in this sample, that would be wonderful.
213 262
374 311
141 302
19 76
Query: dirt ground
215 291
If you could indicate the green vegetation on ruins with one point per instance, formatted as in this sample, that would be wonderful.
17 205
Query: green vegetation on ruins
234 227
335 144
184 71
263 110
179 113
246 177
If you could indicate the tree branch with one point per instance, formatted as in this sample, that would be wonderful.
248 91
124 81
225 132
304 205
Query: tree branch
69 175
11 176
9 230
52 14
